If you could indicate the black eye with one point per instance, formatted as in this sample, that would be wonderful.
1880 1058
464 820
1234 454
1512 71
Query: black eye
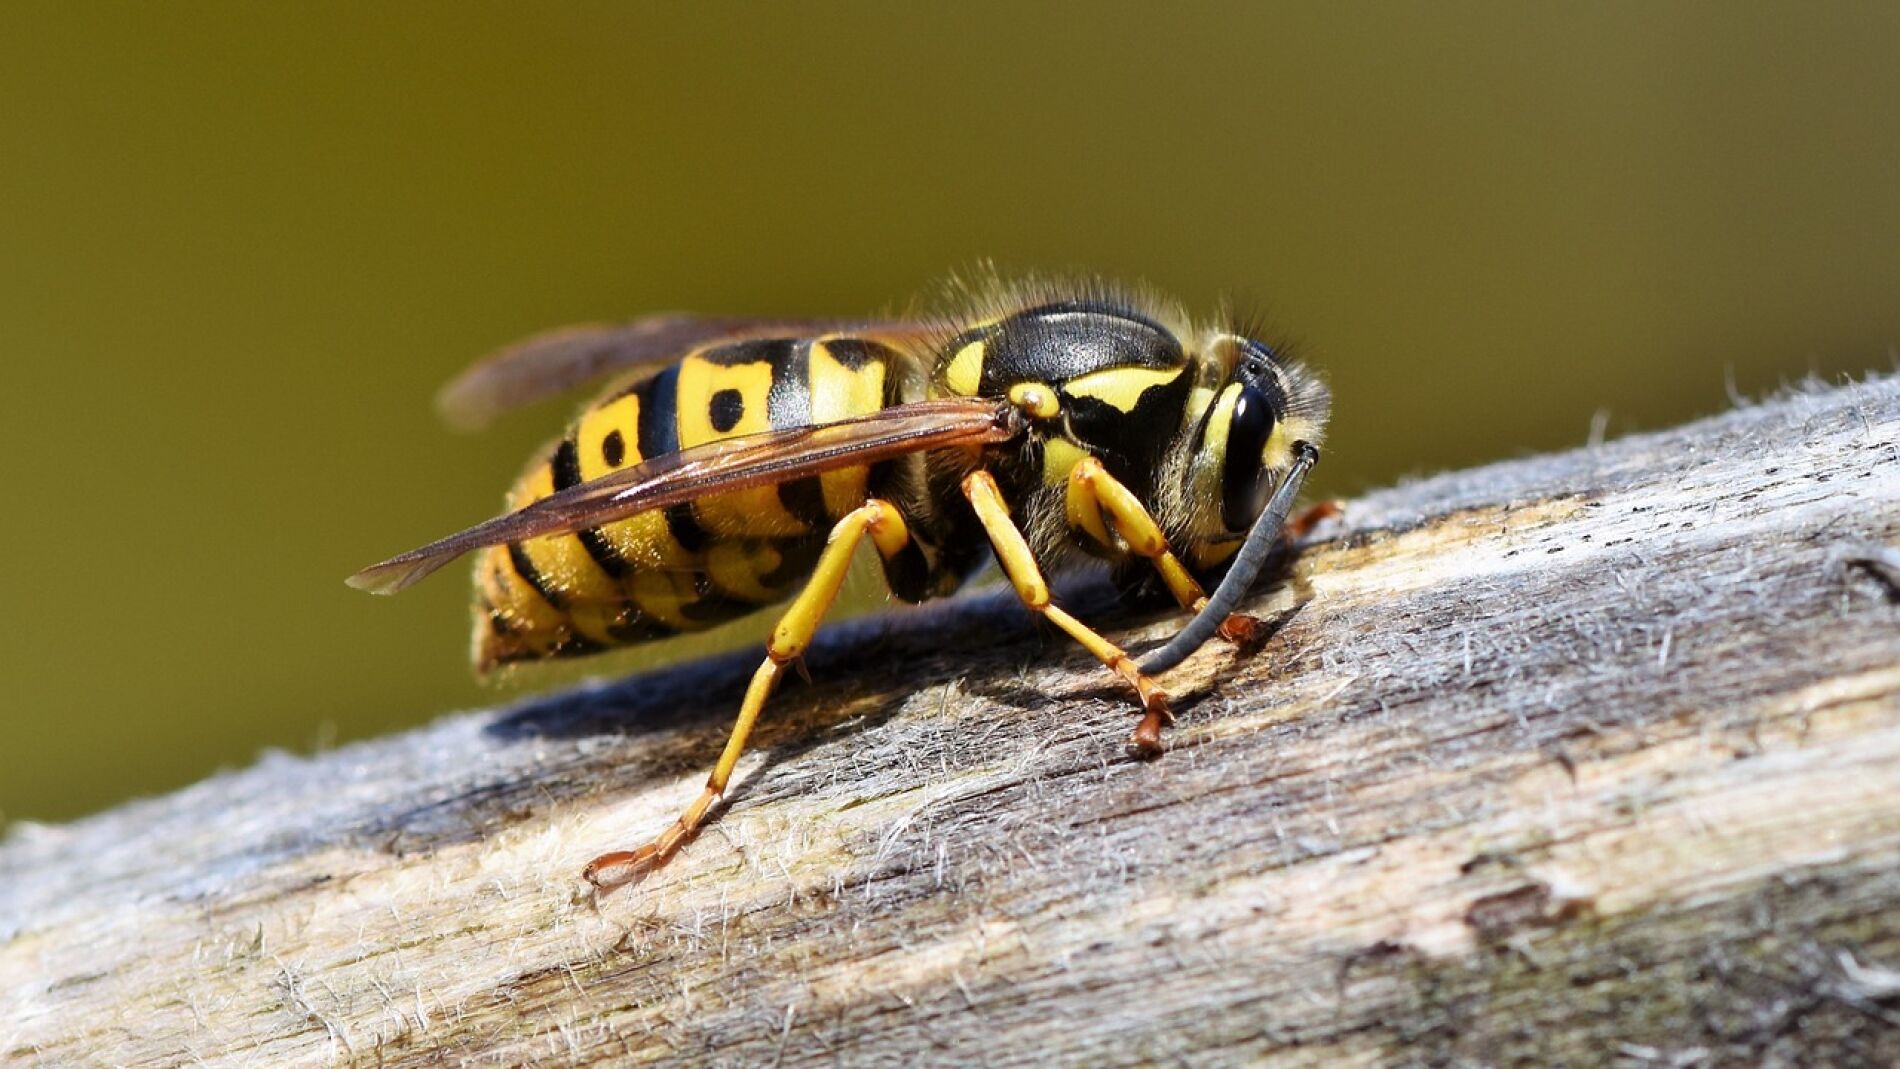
1243 479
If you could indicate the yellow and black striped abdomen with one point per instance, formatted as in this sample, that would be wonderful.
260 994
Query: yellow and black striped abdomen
696 564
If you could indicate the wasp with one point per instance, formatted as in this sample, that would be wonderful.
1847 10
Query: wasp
736 463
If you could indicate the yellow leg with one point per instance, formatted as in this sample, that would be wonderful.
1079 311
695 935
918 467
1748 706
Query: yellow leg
1012 551
882 522
1091 487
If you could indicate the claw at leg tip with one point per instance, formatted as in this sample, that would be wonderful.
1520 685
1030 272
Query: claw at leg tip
612 870
1244 632
1145 743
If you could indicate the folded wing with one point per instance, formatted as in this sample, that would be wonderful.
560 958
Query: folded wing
731 464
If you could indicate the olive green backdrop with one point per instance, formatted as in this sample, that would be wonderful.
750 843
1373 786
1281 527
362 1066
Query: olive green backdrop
241 244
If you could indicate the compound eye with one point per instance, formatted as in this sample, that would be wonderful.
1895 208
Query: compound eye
1243 475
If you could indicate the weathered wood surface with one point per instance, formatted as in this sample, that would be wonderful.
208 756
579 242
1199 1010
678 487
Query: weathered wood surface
1583 759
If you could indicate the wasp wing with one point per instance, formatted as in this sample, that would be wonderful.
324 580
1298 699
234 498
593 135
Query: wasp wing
559 360
717 467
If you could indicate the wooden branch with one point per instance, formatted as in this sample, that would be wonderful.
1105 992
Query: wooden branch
1581 759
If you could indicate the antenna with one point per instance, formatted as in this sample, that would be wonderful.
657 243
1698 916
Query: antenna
1261 540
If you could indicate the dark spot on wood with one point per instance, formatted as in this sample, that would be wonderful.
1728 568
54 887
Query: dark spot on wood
1531 905
1486 857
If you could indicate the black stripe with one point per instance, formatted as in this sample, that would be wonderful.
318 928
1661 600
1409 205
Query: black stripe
854 353
908 573
576 645
685 526
805 500
604 553
567 472
796 560
637 628
567 464
659 434
569 645
518 557
531 575
659 411
752 351
712 605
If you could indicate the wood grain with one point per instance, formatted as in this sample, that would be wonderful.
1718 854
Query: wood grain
1582 759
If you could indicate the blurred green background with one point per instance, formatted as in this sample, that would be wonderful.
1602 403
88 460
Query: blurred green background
241 245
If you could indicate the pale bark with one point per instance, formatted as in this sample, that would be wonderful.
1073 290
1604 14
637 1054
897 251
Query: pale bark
1579 759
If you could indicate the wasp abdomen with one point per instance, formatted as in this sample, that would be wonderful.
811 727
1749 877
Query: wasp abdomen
696 564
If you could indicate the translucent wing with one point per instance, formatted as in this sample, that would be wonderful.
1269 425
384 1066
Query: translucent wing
731 464
559 360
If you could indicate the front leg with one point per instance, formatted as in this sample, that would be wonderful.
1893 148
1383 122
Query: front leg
1094 494
1025 575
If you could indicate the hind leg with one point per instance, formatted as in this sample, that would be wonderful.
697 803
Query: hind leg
879 520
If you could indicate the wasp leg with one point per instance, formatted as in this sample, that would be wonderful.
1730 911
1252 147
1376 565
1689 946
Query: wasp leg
1012 551
1093 493
885 526
1092 487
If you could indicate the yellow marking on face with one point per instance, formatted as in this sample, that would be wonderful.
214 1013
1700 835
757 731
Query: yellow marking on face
1198 400
1035 399
964 374
710 390
1295 428
1058 456
1214 440
838 392
1278 453
1121 387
